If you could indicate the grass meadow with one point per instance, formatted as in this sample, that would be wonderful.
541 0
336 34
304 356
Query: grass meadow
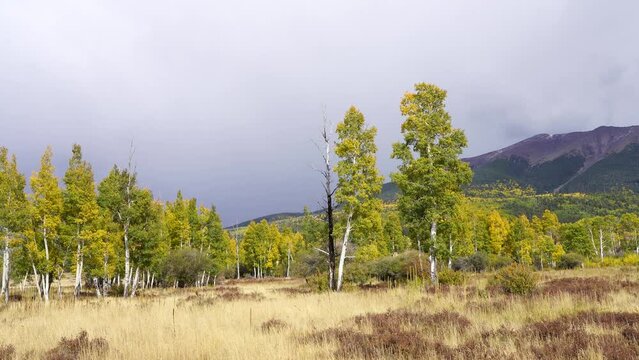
573 314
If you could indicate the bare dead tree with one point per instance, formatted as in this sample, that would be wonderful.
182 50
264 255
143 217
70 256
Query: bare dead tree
329 192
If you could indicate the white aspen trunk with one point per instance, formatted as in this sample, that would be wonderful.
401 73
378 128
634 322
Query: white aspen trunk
342 255
208 277
5 269
37 280
433 254
46 285
78 271
450 252
288 263
134 287
592 239
214 280
24 282
152 280
203 277
96 285
127 261
47 277
601 251
237 258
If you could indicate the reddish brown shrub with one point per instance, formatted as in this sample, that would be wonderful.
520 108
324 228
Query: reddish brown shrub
592 288
73 348
7 352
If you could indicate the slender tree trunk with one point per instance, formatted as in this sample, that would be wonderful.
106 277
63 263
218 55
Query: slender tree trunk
237 257
96 285
134 287
5 269
288 263
433 254
78 269
601 251
450 252
327 173
24 282
46 275
419 257
592 239
342 255
36 279
127 261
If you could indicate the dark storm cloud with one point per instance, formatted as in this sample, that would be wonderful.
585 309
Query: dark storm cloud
223 99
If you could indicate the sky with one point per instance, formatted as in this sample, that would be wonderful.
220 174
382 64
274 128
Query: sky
224 99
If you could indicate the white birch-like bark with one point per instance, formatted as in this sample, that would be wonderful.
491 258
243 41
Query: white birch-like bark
288 263
78 270
450 252
433 253
96 285
134 286
46 278
342 255
5 268
36 279
601 251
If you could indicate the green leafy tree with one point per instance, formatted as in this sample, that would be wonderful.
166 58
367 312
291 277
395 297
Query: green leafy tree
80 209
46 201
396 241
498 228
178 223
260 247
116 193
431 174
14 213
359 182
629 229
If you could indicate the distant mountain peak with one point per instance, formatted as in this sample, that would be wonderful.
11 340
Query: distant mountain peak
549 162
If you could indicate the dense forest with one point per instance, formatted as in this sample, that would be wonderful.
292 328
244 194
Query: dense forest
114 238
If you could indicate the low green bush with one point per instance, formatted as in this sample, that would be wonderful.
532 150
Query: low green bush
570 261
318 281
496 262
476 262
451 277
399 268
515 279
185 266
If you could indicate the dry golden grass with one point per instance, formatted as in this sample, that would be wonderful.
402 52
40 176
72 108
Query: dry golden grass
250 320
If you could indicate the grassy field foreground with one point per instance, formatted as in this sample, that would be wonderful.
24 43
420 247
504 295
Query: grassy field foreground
585 314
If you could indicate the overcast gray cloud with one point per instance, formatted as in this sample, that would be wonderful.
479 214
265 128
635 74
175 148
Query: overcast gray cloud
223 99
